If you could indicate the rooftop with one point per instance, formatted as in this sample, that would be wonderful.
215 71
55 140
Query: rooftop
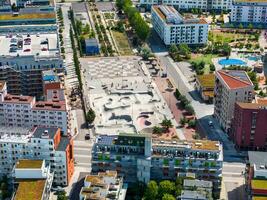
171 16
259 184
36 164
253 106
257 158
207 80
45 132
188 194
50 76
50 105
63 144
18 99
30 189
15 134
197 183
235 79
41 45
259 198
10 17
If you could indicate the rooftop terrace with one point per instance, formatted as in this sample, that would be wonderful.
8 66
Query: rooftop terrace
30 189
29 164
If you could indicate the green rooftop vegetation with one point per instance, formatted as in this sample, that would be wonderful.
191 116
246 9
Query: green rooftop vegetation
30 189
259 198
131 140
29 164
259 184
28 16
206 80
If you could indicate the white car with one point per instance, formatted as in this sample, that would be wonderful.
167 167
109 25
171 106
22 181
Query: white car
210 123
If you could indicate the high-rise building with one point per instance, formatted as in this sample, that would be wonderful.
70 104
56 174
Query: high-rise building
249 125
38 143
230 87
173 28
249 12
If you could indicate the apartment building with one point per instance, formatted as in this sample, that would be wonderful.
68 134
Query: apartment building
249 12
37 143
230 87
25 111
187 5
141 158
104 185
173 28
33 176
23 58
249 125
256 177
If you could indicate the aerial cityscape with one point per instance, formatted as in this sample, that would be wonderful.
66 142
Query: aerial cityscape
133 100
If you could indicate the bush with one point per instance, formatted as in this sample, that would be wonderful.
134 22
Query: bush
192 123
183 121
212 67
90 116
190 109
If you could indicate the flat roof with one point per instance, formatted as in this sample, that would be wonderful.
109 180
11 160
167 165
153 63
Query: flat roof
48 131
32 164
63 144
41 45
26 16
171 16
206 80
79 7
259 158
30 189
18 99
259 184
253 105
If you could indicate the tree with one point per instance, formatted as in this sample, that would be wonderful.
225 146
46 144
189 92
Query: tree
146 53
151 191
177 94
166 123
62 196
157 130
90 116
241 26
212 67
189 108
250 26
192 123
168 197
173 49
166 187
86 29
183 121
184 49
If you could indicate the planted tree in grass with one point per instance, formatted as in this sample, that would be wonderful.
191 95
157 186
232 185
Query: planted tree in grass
212 67
166 187
192 123
90 116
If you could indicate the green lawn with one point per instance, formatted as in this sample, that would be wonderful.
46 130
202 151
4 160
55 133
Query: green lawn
222 37
122 43
206 58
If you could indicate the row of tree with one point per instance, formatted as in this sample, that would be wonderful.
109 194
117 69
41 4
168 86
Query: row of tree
180 52
164 190
135 19
184 102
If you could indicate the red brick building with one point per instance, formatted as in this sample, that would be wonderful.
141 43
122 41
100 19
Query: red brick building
249 126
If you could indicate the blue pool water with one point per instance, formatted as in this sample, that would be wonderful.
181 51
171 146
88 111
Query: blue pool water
231 61
254 58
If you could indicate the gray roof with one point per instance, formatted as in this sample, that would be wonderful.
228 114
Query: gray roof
79 7
64 142
39 131
192 195
105 139
197 183
91 42
258 158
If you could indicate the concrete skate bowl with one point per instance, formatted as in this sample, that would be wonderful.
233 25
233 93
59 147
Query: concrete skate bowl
126 118
143 119
121 103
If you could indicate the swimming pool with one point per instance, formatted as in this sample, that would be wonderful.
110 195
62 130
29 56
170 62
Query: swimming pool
254 58
231 61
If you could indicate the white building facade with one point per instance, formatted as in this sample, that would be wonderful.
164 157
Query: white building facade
254 12
186 5
172 28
